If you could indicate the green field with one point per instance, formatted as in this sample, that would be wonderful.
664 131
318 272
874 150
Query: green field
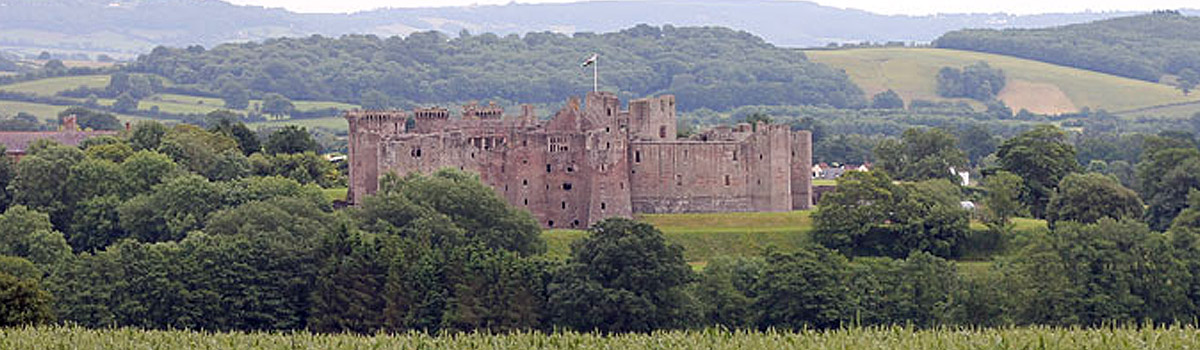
335 194
44 111
897 338
706 236
51 86
1036 86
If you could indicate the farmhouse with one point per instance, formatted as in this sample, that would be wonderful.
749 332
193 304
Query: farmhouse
592 160
17 142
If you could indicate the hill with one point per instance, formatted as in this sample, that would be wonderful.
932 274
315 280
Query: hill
705 67
1144 47
125 28
1037 86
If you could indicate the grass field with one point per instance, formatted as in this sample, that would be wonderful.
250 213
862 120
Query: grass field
1036 86
44 111
335 194
51 86
897 338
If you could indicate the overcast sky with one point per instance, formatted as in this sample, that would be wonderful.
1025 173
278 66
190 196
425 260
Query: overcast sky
910 7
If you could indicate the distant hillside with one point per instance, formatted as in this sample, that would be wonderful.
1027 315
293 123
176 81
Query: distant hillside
712 68
1036 86
124 28
1144 47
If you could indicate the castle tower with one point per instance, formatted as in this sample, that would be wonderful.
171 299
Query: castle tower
652 119
802 170
368 129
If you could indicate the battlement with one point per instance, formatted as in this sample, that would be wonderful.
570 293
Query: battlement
380 121
474 111
431 113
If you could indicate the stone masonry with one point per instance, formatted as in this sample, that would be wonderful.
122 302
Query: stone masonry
590 161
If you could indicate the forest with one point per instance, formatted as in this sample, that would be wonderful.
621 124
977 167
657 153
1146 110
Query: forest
713 68
1144 47
215 229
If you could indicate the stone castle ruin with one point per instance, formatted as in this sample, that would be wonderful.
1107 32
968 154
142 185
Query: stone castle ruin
590 161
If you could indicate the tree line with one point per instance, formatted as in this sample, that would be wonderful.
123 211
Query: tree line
1144 47
704 67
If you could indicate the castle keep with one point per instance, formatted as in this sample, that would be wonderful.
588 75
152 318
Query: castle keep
590 161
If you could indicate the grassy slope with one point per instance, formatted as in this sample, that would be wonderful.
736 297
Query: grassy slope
705 236
1037 86
170 103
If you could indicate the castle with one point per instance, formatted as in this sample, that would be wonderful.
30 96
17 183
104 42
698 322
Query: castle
590 161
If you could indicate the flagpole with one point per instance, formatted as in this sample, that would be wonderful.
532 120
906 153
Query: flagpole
596 74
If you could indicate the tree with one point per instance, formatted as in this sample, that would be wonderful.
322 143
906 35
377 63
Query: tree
921 155
977 142
23 302
1187 80
277 105
725 290
805 289
6 177
1002 201
42 180
1165 177
870 215
887 100
235 95
225 123
622 277
1086 198
54 64
977 81
125 103
375 99
291 139
197 149
1042 157
147 135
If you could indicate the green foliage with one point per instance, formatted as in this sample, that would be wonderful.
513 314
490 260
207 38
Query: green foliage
23 302
201 151
871 215
1141 47
7 172
1002 201
887 100
235 95
805 289
225 123
147 135
622 277
977 81
277 105
1165 177
921 155
125 103
1107 271
89 119
291 139
725 289
703 67
1042 157
306 168
42 180
919 290
1086 198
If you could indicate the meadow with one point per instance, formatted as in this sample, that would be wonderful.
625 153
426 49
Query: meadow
896 338
1036 86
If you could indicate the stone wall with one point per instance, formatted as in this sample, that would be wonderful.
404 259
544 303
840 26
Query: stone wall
591 161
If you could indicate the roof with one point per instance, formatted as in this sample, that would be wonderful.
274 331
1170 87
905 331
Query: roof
17 142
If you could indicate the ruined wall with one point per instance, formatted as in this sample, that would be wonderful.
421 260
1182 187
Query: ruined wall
688 176
802 193
591 161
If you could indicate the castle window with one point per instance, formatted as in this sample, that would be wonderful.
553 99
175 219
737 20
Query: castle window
550 223
662 132
760 156
610 111
575 223
608 145
564 204
622 185
603 205
472 155
524 143
637 156
726 180
525 182
685 153
505 188
526 201
606 129
567 186
678 180
570 169
735 156
548 168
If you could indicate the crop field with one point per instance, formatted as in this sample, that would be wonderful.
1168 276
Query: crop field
896 338
1036 86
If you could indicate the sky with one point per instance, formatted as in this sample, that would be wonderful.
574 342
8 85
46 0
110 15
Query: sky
906 7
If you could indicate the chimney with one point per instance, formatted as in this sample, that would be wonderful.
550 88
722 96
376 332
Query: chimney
127 128
69 124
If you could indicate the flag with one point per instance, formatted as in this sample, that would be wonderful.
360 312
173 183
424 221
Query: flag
590 61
